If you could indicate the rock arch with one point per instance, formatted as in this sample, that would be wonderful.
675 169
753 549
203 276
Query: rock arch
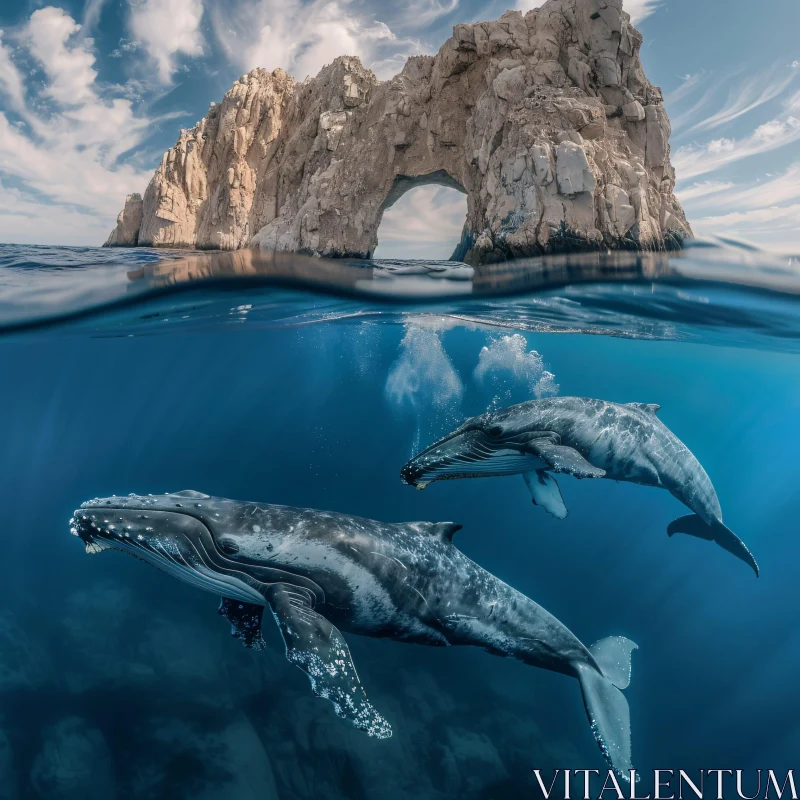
403 184
546 121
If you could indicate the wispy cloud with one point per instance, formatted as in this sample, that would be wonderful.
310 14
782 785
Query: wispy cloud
639 10
747 96
766 212
11 83
705 189
688 85
781 188
721 205
684 118
418 14
92 9
302 37
700 159
165 29
774 228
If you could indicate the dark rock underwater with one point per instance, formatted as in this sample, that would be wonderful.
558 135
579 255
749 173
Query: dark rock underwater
102 701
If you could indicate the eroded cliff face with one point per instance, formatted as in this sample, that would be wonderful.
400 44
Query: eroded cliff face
546 121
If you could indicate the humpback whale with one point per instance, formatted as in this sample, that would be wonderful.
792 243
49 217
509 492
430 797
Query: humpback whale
320 573
585 438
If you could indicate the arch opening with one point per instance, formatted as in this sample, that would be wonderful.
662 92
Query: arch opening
422 218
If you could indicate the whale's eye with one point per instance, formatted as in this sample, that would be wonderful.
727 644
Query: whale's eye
228 546
495 430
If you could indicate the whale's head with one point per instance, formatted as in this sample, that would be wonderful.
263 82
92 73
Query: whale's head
484 446
189 535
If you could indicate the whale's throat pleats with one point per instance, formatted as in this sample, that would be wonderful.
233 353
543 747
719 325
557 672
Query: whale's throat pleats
483 463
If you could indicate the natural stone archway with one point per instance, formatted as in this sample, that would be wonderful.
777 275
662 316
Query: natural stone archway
405 186
546 120
405 183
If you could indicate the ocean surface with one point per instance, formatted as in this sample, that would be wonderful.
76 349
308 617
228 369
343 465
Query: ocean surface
291 380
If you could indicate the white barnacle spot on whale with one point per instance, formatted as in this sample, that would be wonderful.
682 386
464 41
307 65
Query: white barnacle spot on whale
256 529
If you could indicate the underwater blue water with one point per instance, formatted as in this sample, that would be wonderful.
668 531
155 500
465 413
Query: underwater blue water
118 681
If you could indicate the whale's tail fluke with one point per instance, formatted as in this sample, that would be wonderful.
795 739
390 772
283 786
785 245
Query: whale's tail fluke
692 525
606 706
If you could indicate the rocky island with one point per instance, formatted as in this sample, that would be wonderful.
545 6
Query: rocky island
546 121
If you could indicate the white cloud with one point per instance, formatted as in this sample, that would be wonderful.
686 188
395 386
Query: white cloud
23 220
704 189
304 37
774 228
61 163
50 34
776 189
693 160
780 189
10 78
752 212
639 10
165 28
747 92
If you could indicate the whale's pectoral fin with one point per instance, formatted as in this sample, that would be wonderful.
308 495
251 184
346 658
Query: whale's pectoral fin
546 493
245 620
319 649
692 525
564 459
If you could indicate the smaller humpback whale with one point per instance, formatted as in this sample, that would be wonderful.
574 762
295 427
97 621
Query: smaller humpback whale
320 572
588 439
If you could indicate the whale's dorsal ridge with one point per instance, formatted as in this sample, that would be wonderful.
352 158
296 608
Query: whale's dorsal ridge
191 493
442 530
649 408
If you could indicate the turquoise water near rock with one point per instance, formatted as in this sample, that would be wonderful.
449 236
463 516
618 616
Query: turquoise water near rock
119 682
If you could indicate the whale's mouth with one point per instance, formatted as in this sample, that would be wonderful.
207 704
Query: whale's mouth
470 453
173 542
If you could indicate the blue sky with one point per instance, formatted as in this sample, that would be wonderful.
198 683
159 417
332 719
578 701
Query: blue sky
93 91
